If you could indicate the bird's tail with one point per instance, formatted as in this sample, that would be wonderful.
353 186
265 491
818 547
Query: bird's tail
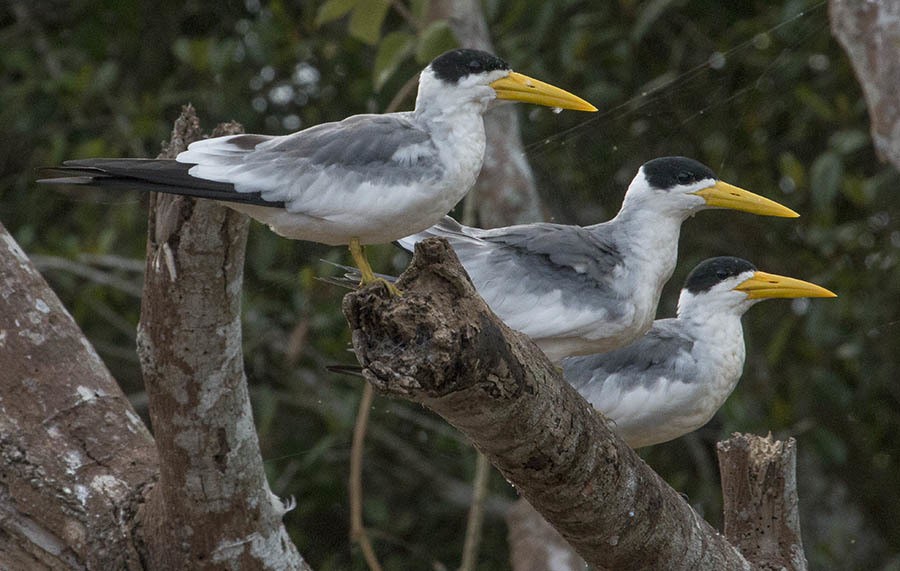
446 228
351 276
349 370
147 175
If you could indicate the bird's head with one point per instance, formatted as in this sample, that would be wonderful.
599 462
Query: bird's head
465 77
727 285
681 186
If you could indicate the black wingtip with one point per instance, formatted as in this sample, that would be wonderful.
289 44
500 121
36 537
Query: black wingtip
82 180
149 175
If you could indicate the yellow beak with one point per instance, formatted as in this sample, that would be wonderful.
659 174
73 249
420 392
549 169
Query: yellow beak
724 195
767 286
518 87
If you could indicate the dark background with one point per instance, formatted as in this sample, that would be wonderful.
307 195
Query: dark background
758 90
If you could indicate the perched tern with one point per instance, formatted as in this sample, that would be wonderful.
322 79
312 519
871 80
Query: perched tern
367 179
580 290
672 380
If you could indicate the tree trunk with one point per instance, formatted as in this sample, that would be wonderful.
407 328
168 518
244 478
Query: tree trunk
75 456
82 485
870 34
439 345
505 192
212 507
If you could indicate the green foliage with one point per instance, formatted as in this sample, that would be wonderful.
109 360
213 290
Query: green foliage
762 95
392 51
419 37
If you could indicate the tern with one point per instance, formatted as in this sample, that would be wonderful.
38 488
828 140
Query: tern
672 380
364 180
581 290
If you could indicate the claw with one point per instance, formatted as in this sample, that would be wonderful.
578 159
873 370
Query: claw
365 270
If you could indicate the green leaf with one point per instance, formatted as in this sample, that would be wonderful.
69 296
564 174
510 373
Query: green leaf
792 167
848 141
331 10
392 50
367 18
648 16
814 102
419 9
435 40
825 179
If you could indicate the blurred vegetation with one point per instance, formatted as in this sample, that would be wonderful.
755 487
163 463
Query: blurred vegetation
757 90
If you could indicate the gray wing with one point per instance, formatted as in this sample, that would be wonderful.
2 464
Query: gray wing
546 280
386 149
556 247
360 141
664 351
554 253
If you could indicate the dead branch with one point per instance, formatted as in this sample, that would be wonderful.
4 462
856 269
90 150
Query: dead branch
759 486
212 507
439 345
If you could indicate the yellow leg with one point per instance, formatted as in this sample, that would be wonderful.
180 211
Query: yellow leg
365 270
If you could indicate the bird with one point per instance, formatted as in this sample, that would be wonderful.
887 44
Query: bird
672 380
581 290
367 179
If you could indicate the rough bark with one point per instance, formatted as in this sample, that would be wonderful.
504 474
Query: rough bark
759 486
74 457
439 345
870 34
212 507
505 192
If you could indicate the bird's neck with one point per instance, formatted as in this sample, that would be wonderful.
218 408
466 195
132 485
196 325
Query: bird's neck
457 130
719 345
439 107
651 238
716 318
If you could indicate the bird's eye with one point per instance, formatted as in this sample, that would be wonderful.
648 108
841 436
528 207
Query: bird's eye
475 65
721 274
684 177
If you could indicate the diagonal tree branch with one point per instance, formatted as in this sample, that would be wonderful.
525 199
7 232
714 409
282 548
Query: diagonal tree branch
439 345
74 457
535 546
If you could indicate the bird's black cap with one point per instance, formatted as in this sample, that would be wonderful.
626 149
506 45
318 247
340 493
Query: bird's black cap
668 172
710 272
456 64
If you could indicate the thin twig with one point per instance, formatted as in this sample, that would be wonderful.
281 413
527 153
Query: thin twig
407 15
44 263
476 514
402 94
114 262
455 491
357 529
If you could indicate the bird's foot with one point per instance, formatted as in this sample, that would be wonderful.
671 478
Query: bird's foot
365 270
392 289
